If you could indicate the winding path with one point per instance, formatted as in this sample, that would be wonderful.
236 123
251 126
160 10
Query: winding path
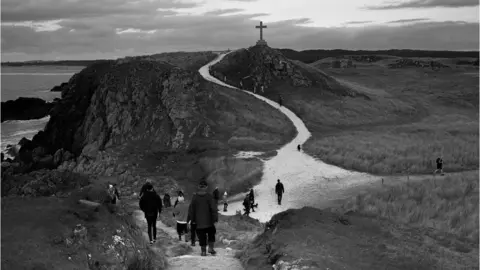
307 181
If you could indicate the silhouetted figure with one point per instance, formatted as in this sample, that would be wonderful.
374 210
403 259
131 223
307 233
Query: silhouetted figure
280 100
225 202
216 196
299 147
251 199
151 205
439 162
167 200
279 189
246 204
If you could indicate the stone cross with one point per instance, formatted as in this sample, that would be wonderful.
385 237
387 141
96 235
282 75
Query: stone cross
261 26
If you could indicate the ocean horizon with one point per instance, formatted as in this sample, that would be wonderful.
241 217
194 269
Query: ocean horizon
31 81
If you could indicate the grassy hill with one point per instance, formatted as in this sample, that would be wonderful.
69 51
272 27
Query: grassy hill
379 120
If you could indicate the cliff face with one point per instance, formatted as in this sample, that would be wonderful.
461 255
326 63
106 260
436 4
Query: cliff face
149 103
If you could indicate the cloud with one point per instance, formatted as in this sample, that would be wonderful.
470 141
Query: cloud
409 20
119 33
223 11
425 4
357 22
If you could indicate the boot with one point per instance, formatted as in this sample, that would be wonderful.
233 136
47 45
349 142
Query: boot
210 248
204 251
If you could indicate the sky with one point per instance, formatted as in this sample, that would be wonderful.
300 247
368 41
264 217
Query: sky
105 29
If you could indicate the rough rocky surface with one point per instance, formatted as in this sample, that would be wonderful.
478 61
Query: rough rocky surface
60 87
407 62
25 108
258 66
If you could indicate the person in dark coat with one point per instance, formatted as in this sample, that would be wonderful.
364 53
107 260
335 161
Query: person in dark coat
151 205
166 200
439 162
144 187
246 204
280 100
204 213
279 189
216 195
251 199
193 225
299 147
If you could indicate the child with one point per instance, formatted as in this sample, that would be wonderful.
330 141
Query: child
180 212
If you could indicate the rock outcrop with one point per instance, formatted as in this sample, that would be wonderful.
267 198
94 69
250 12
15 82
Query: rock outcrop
59 88
25 108
264 70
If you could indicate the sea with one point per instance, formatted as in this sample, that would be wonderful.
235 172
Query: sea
29 81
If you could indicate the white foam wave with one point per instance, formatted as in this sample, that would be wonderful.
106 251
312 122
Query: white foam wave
44 119
38 74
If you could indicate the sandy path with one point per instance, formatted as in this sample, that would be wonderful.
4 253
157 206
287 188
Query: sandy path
307 181
224 259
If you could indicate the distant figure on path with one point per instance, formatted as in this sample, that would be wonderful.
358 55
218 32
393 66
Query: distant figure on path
251 199
279 189
113 194
299 147
225 202
180 213
167 200
246 204
280 100
439 162
216 196
144 187
180 197
204 213
151 205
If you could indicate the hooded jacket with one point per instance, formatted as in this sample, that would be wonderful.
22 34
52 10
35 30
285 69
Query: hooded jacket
151 204
203 210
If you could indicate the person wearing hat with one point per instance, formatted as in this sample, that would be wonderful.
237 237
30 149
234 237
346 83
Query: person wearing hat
203 213
151 205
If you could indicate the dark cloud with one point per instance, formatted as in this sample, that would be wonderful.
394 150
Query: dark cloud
409 20
43 10
81 37
425 4
357 22
224 11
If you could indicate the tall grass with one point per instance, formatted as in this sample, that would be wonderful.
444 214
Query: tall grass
448 205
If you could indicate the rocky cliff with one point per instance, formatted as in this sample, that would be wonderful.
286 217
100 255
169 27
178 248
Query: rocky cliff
126 118
259 66
25 108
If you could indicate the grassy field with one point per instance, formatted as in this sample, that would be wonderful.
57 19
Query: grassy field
398 121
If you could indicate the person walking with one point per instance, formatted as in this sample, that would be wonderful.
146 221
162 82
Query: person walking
180 213
144 187
113 194
439 162
180 197
246 204
251 199
225 201
279 189
151 205
167 200
193 225
216 196
204 213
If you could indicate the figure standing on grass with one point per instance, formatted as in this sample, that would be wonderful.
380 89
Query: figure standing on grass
151 205
439 162
299 147
204 213
180 213
279 189
280 100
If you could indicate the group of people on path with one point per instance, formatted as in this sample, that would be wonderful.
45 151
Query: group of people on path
200 215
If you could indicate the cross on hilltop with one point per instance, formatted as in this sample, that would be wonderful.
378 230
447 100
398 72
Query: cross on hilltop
261 27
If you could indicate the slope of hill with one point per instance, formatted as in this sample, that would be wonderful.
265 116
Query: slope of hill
310 56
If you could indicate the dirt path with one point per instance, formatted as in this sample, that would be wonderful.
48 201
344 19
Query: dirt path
182 255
